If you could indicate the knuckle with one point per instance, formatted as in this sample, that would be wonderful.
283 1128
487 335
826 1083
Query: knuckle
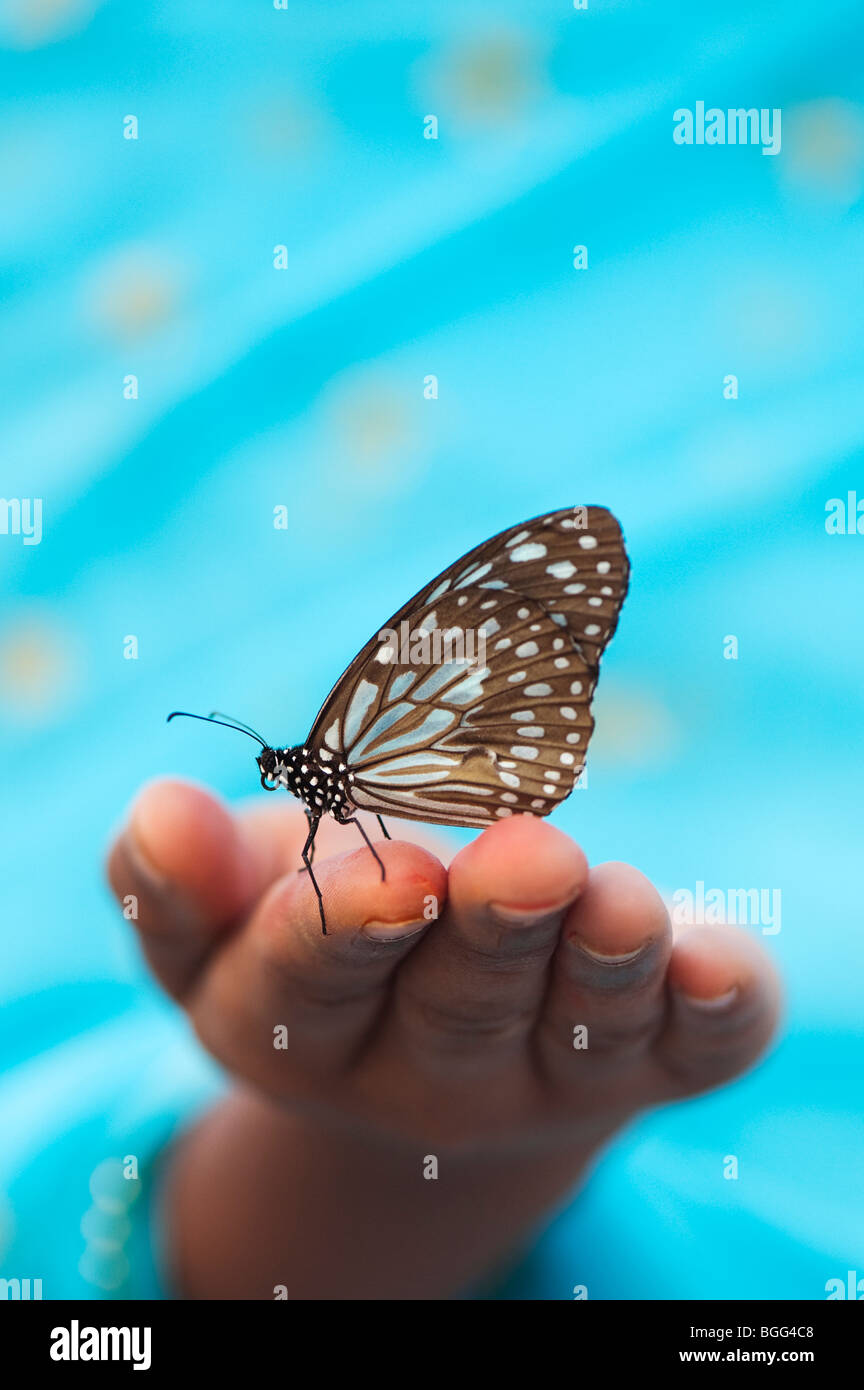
491 1021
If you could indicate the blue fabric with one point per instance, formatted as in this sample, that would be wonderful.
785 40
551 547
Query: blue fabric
259 387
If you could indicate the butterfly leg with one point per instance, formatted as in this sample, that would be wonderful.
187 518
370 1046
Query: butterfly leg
387 835
311 821
307 854
378 859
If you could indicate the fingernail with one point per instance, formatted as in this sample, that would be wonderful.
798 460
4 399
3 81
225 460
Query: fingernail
603 958
143 865
393 931
511 915
720 1001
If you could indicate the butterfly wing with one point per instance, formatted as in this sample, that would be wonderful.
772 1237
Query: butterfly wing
490 715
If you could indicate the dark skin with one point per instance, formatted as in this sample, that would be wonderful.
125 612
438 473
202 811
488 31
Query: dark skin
409 1038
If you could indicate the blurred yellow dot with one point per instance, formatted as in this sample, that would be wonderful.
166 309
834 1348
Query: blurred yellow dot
36 667
286 128
376 439
373 422
495 76
823 149
632 728
488 78
29 23
135 293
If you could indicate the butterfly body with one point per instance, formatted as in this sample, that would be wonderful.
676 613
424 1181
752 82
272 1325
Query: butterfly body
321 782
474 703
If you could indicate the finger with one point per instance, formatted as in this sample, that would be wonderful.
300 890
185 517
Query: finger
725 1002
472 989
317 996
606 998
184 872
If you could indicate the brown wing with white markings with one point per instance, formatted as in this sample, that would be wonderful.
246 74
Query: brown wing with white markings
475 701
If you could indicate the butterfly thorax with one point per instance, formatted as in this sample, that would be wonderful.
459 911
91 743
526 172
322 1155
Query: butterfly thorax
320 780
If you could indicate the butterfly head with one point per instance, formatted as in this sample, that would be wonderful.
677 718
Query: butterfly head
267 763
268 759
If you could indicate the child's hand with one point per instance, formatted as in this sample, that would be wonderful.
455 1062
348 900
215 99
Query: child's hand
420 1037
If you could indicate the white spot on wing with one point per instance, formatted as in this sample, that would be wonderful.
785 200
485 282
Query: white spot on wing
379 726
402 683
425 758
442 675
471 688
436 721
471 576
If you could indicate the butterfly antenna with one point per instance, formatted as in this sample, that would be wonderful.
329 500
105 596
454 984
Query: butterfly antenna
208 719
235 723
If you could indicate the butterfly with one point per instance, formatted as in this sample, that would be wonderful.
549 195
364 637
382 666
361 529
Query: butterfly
474 703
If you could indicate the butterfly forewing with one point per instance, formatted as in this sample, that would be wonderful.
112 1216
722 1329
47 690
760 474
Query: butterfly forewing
490 714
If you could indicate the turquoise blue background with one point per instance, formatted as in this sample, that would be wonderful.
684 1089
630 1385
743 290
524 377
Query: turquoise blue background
304 387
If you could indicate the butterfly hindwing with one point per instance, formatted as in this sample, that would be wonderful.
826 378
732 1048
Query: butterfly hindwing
501 724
